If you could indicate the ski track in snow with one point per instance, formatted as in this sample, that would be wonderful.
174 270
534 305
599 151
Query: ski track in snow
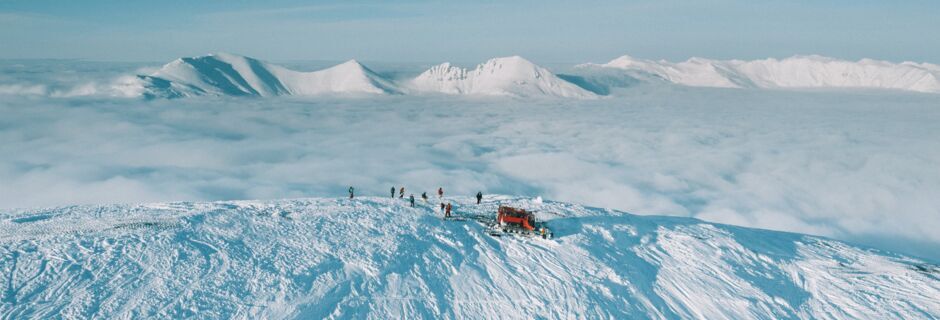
376 258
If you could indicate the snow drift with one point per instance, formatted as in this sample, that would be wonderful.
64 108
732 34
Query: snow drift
794 72
509 76
378 258
224 74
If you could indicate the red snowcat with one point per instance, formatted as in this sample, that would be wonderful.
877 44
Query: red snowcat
519 222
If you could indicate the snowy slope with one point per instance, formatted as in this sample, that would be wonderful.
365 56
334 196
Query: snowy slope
377 258
794 72
224 74
508 76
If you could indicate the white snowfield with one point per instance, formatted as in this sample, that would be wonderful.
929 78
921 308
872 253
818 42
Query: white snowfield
795 72
378 258
509 76
225 74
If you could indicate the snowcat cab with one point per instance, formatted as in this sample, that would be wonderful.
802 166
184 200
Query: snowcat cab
520 221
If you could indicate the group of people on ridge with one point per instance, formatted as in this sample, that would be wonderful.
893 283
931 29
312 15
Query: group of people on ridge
446 209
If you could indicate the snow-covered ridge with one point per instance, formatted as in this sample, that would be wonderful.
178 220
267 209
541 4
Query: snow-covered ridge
224 74
508 76
794 72
379 258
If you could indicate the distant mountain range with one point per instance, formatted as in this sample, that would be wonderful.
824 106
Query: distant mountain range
223 74
794 72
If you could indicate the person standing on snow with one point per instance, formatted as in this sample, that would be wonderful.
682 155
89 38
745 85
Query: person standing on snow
393 192
401 193
479 197
442 207
351 192
424 195
411 199
440 193
447 210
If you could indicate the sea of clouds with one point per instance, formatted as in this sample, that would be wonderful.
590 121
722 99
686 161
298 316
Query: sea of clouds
855 165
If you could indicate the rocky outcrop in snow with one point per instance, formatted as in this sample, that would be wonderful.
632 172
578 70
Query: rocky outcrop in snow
794 72
509 76
224 74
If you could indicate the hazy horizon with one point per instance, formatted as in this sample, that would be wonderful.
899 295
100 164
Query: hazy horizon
424 31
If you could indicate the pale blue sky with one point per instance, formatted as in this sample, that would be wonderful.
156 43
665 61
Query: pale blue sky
431 31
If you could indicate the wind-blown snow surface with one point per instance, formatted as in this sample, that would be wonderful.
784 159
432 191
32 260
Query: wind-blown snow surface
794 72
509 76
224 74
378 258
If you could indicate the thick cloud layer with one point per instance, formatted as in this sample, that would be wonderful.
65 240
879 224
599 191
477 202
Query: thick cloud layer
860 166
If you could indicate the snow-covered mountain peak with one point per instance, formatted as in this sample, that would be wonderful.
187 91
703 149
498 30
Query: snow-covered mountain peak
515 67
511 59
376 257
513 62
225 74
209 61
228 56
624 61
507 76
351 65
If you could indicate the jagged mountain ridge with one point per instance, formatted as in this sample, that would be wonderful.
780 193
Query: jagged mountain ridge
379 258
509 76
224 74
232 75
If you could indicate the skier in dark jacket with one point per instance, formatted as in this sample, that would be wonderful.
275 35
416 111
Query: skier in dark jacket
442 207
393 192
440 193
401 193
479 197
424 195
411 199
351 192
